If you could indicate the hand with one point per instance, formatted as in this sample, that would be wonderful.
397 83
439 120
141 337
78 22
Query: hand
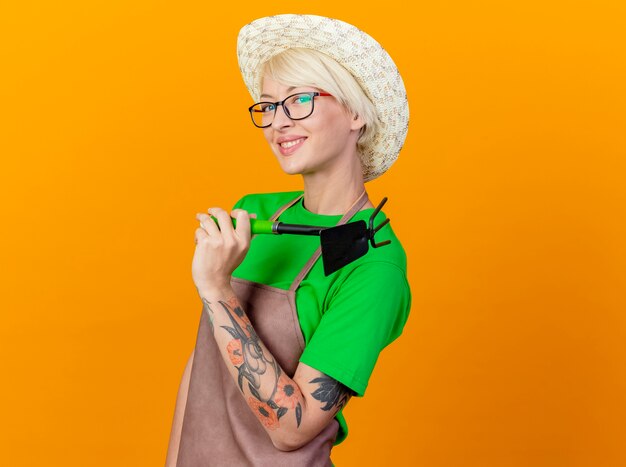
219 250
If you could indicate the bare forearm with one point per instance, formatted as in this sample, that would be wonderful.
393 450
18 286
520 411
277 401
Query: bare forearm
292 410
274 398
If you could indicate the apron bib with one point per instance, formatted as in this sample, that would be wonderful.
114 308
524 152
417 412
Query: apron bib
219 428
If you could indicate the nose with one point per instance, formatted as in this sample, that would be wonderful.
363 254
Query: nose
281 120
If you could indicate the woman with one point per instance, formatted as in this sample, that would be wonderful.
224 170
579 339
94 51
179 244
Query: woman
281 346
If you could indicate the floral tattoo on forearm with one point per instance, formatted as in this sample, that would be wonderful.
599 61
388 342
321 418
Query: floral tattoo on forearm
252 363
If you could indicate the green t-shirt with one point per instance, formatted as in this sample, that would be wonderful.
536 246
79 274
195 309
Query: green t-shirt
346 318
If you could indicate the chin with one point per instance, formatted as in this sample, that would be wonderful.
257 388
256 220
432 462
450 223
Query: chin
291 171
289 168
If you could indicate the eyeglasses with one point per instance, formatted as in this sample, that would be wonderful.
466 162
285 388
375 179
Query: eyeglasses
297 107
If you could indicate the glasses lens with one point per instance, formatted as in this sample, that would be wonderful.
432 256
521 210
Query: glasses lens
299 106
263 113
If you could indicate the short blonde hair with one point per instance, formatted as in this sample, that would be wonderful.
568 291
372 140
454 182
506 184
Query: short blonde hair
308 67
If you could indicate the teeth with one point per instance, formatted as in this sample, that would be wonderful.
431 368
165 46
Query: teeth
289 144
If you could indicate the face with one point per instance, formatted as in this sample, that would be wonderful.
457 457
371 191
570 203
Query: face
324 142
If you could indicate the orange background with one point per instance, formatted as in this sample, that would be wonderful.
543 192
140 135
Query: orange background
120 120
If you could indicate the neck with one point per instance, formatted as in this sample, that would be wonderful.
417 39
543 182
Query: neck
333 194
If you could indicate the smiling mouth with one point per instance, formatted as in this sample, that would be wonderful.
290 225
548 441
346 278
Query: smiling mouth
289 144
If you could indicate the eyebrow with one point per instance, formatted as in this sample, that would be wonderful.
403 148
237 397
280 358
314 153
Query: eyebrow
289 89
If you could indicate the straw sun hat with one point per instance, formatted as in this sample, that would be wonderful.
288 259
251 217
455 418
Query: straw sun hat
359 53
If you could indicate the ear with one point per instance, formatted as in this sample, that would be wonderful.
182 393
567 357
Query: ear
357 122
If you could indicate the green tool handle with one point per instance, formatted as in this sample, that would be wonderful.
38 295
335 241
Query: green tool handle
258 226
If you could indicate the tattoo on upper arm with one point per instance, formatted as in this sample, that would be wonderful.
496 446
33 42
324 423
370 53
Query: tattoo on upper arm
252 363
331 392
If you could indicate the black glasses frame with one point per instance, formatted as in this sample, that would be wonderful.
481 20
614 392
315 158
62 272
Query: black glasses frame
313 95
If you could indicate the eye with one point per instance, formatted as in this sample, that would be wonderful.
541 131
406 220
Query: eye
301 99
267 107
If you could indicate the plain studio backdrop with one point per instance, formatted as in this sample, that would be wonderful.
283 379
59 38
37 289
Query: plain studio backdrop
120 120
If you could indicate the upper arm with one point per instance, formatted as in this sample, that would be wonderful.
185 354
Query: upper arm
364 314
321 392
315 400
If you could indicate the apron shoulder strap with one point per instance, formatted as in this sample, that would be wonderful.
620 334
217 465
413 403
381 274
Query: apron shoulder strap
356 207
285 207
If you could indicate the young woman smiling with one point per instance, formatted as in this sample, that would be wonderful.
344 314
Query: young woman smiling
282 347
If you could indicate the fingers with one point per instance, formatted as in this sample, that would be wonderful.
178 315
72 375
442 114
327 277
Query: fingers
243 223
198 234
219 247
224 222
208 224
219 223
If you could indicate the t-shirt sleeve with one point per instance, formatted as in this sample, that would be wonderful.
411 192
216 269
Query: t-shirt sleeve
364 314
241 203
